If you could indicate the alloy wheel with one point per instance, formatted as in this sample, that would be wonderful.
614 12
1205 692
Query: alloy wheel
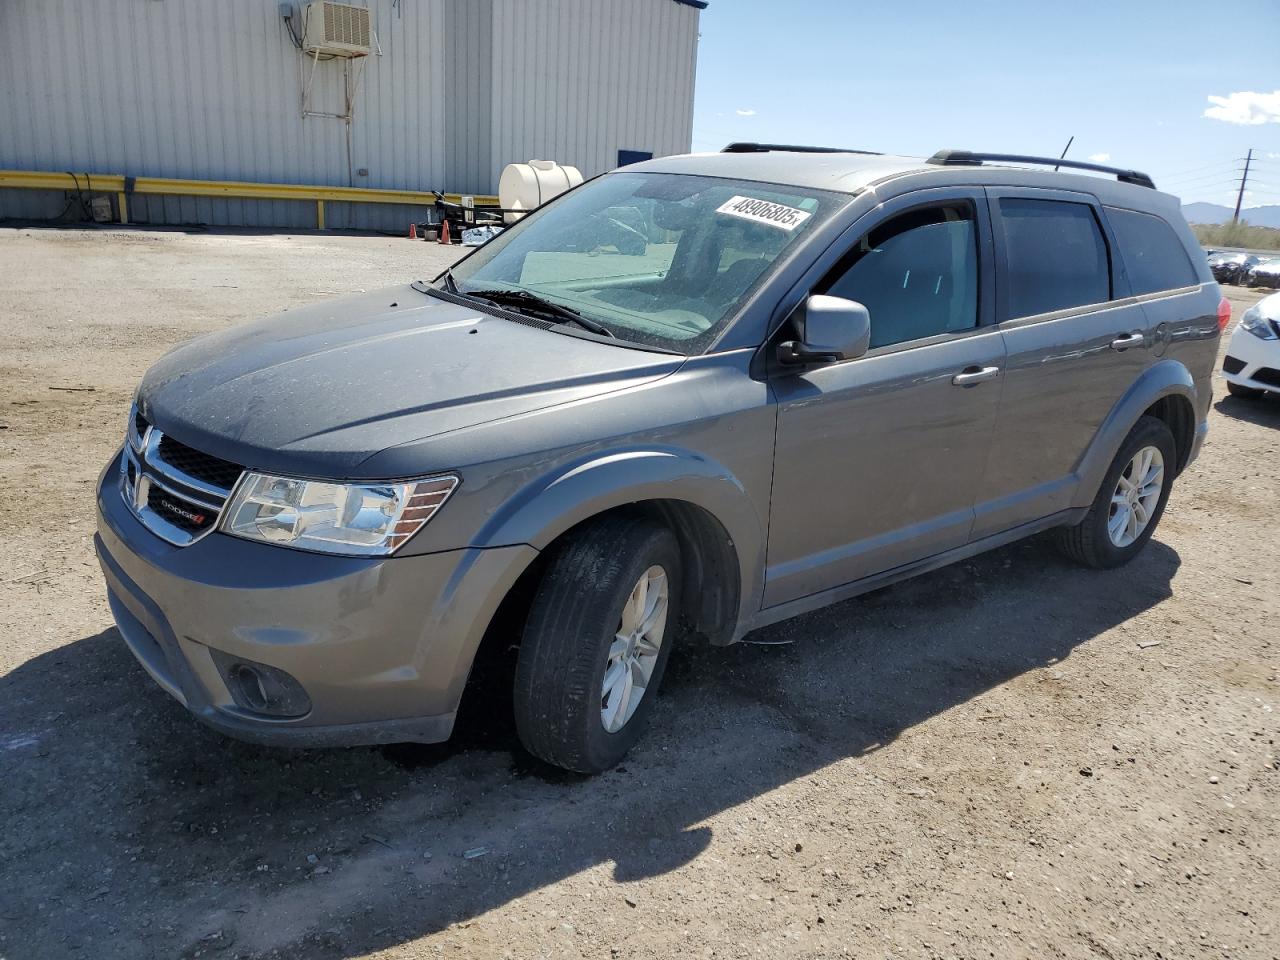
1136 495
634 651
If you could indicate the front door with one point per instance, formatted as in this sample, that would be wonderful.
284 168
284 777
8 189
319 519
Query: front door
878 460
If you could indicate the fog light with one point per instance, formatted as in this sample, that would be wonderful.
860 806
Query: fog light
258 688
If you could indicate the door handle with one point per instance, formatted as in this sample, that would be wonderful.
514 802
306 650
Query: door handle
1128 340
971 375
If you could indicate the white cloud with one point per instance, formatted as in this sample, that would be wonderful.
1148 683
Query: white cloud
1099 157
745 113
1245 107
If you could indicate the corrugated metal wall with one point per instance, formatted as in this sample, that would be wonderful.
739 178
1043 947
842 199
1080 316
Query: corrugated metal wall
579 80
468 139
211 89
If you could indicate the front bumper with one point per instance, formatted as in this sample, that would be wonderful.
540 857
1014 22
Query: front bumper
382 646
1252 362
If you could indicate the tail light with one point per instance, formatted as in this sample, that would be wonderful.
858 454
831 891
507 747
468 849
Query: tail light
1224 313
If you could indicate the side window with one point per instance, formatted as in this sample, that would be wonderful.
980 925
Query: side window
1056 255
1153 255
917 274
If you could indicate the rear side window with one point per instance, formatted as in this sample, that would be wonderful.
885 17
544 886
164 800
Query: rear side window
1154 257
917 275
1056 255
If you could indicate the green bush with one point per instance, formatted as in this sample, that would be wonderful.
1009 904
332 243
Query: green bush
1237 235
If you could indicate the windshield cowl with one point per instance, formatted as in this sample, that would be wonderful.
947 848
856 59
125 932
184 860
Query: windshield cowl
438 290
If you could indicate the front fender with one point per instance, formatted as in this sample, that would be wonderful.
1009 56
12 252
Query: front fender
1166 378
546 508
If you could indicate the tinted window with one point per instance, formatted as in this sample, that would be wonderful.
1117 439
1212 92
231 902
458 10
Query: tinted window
1057 257
917 275
1153 255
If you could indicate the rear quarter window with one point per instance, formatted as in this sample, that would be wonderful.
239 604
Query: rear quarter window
1154 258
1056 256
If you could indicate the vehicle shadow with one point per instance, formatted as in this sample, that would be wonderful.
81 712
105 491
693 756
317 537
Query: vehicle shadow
1264 411
128 830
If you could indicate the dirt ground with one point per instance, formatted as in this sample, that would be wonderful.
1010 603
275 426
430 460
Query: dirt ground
1011 758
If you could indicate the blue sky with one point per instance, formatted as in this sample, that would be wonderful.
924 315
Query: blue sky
1130 80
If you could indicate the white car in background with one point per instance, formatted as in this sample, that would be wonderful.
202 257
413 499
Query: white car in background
1252 364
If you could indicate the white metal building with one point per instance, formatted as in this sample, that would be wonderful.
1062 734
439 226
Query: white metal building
451 92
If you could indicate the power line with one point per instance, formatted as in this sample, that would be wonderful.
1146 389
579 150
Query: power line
1177 174
1229 172
1224 185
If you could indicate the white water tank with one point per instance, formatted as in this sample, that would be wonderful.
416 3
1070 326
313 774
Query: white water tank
524 186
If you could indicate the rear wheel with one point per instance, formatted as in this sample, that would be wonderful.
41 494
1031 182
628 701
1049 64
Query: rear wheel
1244 393
596 643
1130 501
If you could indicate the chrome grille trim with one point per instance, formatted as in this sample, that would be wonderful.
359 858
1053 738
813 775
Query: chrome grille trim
172 474
215 505
150 469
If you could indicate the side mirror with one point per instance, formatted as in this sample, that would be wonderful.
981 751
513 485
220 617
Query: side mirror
831 329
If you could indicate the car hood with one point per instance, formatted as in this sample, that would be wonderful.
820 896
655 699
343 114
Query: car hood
318 390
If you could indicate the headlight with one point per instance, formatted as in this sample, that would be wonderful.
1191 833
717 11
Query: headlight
365 519
1255 323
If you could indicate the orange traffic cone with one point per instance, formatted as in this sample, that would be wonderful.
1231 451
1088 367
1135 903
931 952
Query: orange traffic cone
413 231
444 232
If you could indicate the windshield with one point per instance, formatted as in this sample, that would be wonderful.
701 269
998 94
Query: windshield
658 259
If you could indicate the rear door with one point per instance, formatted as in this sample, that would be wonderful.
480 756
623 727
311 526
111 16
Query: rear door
878 460
1075 341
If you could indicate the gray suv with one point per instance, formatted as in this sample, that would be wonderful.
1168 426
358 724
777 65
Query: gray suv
687 399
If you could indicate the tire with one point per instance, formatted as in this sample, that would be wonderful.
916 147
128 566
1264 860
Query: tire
1090 542
573 627
1244 393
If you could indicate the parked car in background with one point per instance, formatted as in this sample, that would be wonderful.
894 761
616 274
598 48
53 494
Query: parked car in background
1252 364
1231 267
1264 274
694 396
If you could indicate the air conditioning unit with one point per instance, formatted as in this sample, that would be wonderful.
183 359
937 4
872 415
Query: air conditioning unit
335 29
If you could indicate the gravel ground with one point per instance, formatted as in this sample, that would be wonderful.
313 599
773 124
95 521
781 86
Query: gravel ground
1012 757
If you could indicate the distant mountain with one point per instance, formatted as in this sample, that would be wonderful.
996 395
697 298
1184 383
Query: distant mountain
1206 212
1268 216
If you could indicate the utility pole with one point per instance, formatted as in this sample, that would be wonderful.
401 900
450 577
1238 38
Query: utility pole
1244 178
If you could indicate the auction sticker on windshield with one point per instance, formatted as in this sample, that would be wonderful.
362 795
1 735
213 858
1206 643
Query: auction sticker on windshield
764 211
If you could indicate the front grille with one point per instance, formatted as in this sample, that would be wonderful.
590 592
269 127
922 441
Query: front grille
176 491
202 466
1232 364
1268 376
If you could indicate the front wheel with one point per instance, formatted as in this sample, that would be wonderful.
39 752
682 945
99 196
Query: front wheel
1130 501
596 643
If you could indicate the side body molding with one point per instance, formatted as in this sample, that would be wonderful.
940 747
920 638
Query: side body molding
548 507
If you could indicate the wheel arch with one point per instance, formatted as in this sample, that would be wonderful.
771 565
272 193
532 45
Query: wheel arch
1165 390
1179 415
721 535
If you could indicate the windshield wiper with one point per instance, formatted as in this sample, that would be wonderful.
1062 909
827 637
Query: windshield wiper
523 298
449 283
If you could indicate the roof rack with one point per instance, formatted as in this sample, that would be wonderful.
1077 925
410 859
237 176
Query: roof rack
742 147
969 158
